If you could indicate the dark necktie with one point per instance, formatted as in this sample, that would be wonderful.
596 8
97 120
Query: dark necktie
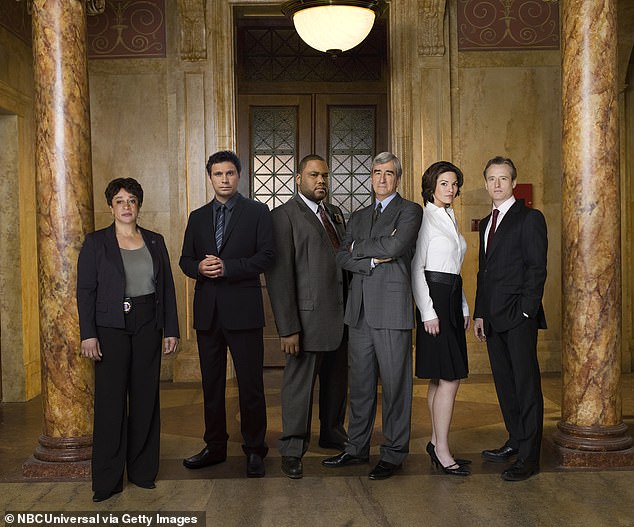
377 212
494 221
220 226
330 230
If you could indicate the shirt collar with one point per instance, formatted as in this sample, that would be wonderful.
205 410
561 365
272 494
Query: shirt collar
229 204
309 203
385 202
504 207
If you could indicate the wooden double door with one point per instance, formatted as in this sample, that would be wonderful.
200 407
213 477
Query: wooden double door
276 131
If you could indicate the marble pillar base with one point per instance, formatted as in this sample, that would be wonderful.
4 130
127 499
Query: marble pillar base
46 470
60 457
568 458
594 446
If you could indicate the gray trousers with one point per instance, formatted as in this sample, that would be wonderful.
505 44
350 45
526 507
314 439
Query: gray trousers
384 353
300 374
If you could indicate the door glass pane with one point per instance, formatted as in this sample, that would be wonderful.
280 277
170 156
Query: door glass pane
351 140
273 147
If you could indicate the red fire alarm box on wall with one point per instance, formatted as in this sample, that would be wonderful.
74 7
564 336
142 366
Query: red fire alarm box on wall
524 192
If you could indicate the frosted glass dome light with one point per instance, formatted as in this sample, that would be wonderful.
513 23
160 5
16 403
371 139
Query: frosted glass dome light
333 26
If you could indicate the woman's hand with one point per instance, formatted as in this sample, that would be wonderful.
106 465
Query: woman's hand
467 322
90 349
432 326
170 345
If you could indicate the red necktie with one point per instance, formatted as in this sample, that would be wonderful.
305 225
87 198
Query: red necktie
330 230
494 221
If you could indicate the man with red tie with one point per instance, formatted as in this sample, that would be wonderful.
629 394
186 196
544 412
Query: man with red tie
307 290
508 312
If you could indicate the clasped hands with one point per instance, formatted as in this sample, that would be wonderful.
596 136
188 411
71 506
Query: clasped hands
211 267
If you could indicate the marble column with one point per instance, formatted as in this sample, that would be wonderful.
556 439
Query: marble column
64 215
591 432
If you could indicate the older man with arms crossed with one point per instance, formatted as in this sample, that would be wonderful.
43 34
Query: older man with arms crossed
307 295
378 249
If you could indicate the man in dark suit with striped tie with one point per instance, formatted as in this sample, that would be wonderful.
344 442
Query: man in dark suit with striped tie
307 289
228 243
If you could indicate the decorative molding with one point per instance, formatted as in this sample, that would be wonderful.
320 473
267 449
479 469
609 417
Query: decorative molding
508 24
431 24
193 30
95 7
127 29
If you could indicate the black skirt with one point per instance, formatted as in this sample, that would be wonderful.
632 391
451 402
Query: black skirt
445 355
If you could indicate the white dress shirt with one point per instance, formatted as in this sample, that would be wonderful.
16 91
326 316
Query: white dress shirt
440 247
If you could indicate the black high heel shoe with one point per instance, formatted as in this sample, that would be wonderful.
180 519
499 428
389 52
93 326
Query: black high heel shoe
456 470
431 450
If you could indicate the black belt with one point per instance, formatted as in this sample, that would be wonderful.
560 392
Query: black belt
441 278
130 302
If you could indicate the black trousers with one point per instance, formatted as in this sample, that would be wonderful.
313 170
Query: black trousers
513 356
247 352
127 410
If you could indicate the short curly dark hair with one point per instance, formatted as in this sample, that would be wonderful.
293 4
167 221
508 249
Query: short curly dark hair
128 184
221 157
430 178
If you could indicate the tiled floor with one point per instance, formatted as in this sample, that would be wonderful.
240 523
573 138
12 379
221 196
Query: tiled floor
340 497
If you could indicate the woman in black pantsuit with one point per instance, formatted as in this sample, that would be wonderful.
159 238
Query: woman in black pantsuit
127 303
442 310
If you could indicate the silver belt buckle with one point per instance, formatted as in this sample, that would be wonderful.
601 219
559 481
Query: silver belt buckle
127 305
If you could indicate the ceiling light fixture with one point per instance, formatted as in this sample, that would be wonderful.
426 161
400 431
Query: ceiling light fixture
333 26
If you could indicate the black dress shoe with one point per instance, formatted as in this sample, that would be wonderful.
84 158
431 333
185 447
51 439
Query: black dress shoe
292 467
144 484
255 466
384 470
342 460
520 470
103 496
205 458
331 445
499 454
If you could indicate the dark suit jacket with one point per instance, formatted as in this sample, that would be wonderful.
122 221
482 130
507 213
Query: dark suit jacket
511 276
305 286
248 249
385 292
101 283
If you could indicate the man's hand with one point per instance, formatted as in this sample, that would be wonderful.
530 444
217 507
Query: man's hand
432 327
90 349
170 344
290 344
467 322
478 329
211 266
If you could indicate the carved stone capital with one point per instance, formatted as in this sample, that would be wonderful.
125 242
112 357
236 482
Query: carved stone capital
93 7
431 24
193 29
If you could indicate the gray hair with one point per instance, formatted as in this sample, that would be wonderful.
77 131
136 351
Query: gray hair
386 157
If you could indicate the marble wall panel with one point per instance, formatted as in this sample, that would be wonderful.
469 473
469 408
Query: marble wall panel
512 111
19 314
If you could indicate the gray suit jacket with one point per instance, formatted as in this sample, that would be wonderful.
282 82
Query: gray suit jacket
385 292
305 286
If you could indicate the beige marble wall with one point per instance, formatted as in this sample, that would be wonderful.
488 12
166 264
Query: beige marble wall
19 319
158 119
